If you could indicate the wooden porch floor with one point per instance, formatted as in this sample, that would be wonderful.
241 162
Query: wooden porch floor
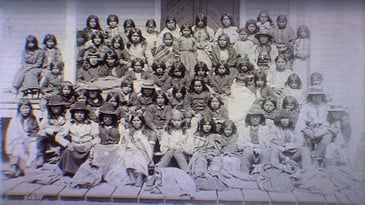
17 191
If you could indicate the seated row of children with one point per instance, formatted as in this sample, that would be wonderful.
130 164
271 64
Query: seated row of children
197 132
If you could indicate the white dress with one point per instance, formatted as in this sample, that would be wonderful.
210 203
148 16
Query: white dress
239 102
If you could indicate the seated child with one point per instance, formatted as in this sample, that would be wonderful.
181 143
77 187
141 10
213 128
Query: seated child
78 137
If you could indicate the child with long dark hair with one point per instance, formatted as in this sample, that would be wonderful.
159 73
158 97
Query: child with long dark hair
92 26
21 139
204 36
52 54
187 47
228 27
27 77
222 80
139 152
173 142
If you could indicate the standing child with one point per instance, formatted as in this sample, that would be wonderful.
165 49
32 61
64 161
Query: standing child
244 47
27 77
78 138
265 52
187 48
21 139
108 126
138 48
264 21
283 34
92 26
173 142
230 155
302 53
139 152
52 55
222 80
228 28
113 30
204 36
222 52
151 34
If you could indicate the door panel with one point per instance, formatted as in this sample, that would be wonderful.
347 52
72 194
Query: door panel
215 9
182 10
186 10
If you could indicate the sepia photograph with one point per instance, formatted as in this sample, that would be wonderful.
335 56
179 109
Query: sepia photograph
182 102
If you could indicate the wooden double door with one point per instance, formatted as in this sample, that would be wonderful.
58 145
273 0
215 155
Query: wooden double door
185 11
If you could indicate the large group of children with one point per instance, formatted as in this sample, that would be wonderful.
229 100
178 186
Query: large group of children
231 103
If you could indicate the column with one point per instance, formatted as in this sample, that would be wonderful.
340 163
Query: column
70 41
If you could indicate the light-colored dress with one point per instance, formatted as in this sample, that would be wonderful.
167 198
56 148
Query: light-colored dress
21 140
301 59
239 102
231 31
204 39
139 152
187 51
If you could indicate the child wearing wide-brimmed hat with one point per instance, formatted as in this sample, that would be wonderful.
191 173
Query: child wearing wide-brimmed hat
265 52
53 123
78 137
108 126
312 122
254 140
